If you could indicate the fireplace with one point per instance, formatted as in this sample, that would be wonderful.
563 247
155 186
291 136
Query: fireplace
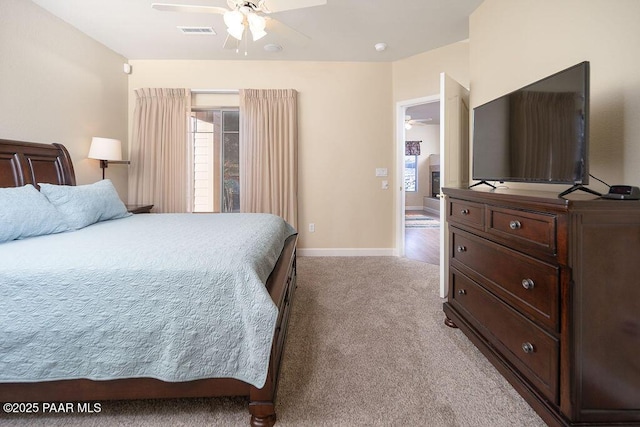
435 183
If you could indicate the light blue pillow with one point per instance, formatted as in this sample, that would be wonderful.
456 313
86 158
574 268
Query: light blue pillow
24 212
83 205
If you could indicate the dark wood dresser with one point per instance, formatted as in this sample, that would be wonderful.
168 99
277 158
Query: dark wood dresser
549 290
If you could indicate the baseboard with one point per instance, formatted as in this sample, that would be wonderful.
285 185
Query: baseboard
435 211
351 252
432 211
432 205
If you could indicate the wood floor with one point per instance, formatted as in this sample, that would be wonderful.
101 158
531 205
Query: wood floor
423 244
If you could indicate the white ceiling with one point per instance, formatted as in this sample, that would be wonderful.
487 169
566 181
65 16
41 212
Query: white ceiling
429 111
341 30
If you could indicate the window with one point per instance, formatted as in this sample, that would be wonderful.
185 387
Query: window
216 152
410 173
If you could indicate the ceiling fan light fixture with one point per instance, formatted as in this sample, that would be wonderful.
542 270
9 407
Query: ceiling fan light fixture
236 32
257 25
407 126
233 18
258 34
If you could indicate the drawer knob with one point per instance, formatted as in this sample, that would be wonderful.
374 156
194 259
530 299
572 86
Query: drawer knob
462 248
515 225
528 284
527 347
464 211
462 292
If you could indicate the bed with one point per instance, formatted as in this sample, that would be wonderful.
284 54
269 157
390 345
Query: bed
105 278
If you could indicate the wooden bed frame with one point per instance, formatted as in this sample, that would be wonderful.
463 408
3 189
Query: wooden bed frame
24 163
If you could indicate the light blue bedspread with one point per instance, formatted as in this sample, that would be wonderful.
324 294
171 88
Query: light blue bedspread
176 297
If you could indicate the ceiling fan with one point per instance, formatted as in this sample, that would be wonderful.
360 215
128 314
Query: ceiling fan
409 122
243 14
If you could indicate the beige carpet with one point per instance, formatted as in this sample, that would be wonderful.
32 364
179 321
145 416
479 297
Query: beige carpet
366 347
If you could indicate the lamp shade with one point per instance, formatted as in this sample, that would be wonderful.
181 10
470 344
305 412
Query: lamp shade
236 32
234 21
105 149
257 24
233 18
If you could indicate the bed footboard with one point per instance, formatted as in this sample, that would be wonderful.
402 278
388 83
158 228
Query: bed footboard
281 285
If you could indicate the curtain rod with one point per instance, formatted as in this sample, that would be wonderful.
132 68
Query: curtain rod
216 91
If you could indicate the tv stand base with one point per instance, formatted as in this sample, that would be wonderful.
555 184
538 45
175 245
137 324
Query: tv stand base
578 187
483 182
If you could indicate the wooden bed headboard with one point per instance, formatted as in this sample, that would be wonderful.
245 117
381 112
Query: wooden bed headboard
24 163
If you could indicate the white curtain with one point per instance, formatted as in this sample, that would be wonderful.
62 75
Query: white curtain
161 156
268 152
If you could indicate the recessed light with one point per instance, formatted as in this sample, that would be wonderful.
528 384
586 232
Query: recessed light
272 47
380 47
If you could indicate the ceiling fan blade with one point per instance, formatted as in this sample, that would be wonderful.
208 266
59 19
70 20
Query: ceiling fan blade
168 7
286 33
272 6
231 43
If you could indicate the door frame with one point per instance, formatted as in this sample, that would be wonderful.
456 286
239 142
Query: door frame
401 108
454 158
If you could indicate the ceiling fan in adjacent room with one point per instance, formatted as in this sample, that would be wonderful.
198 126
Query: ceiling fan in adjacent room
242 17
409 122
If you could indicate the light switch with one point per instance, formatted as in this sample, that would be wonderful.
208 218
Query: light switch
381 172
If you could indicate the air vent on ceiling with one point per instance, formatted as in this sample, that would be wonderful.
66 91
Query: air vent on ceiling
197 30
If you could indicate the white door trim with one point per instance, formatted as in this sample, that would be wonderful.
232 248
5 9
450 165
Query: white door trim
454 158
401 107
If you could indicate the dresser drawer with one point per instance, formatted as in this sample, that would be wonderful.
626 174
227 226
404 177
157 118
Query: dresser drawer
531 350
529 285
466 213
527 229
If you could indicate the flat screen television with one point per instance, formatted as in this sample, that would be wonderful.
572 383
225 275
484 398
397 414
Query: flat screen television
538 133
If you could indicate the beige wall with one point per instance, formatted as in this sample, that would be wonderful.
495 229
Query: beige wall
419 76
58 85
513 43
345 133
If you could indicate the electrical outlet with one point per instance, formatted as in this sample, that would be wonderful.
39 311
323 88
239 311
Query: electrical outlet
312 228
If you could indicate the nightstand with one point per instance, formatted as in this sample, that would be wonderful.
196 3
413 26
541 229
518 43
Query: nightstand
138 209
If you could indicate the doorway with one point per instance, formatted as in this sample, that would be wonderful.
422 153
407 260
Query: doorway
418 210
454 159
